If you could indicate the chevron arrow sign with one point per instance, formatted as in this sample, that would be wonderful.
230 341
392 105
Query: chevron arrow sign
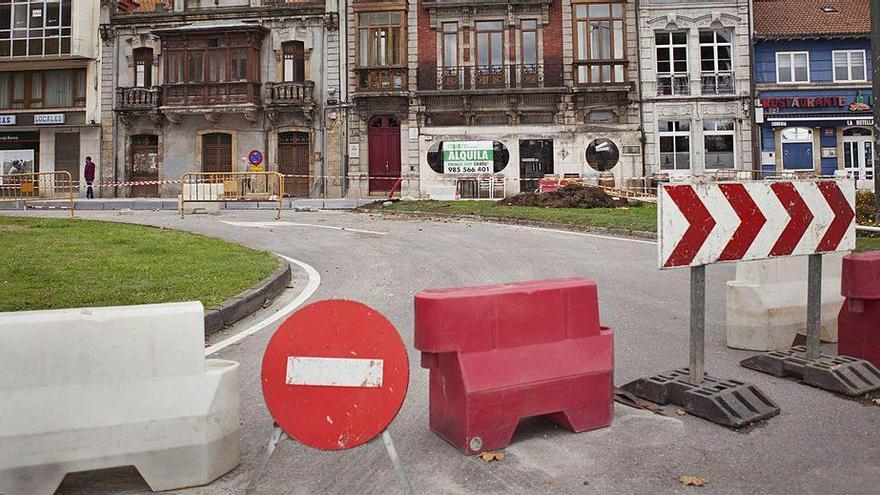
701 224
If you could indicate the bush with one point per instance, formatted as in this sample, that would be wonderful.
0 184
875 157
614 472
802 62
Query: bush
865 208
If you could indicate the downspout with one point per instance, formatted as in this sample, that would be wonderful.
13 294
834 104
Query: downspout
342 76
323 113
641 96
115 144
753 94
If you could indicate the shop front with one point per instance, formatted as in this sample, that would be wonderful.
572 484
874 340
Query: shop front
819 131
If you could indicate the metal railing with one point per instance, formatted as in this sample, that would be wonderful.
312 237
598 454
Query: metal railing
505 76
211 93
220 187
673 84
138 98
290 93
719 83
39 186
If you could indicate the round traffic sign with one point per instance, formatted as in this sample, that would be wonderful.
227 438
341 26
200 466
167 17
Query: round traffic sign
335 374
255 157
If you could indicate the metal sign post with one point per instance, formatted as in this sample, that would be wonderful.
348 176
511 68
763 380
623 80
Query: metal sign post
814 306
698 324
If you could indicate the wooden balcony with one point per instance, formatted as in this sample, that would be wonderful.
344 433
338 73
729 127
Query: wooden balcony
211 94
290 94
381 80
138 99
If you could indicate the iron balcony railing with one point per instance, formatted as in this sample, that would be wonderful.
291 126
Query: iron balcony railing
290 93
138 99
505 76
718 83
673 85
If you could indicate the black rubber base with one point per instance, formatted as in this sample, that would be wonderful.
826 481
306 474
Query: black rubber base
841 374
725 402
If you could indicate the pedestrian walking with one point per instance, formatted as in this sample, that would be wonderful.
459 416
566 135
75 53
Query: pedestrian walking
90 177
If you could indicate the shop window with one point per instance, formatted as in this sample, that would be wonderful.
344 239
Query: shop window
849 65
294 61
792 67
672 63
500 156
716 62
675 145
535 161
35 28
381 39
143 67
43 89
599 42
718 144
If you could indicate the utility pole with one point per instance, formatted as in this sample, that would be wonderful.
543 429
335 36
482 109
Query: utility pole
875 55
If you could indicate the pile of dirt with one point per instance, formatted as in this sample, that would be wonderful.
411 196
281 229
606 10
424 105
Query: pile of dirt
570 196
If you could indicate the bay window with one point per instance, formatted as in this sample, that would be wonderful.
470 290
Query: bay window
599 42
35 28
381 39
43 89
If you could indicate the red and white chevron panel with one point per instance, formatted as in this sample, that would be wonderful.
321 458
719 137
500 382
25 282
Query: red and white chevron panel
701 224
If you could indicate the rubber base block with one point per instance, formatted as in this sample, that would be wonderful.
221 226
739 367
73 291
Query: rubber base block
841 374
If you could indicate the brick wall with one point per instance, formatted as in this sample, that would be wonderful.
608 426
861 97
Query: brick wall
553 46
427 48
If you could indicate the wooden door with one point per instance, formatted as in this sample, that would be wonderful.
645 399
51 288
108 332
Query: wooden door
384 159
217 152
293 162
144 165
67 154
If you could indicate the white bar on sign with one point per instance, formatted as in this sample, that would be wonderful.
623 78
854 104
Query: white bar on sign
334 372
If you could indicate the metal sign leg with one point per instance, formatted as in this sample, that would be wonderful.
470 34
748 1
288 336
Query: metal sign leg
277 437
698 325
814 306
398 465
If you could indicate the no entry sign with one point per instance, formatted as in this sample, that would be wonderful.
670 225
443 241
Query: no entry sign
702 224
335 374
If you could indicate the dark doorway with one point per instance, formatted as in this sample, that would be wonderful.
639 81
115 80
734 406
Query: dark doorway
67 154
535 161
293 160
144 165
217 152
384 143
143 67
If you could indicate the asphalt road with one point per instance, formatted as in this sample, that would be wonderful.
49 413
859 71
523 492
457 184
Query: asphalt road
819 444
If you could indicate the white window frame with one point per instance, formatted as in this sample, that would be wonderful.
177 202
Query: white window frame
674 134
791 56
716 132
849 65
672 74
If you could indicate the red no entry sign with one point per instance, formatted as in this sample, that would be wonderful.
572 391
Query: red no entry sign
335 374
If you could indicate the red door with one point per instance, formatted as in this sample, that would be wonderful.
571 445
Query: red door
384 144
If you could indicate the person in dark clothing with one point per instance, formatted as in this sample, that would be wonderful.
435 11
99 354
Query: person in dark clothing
90 177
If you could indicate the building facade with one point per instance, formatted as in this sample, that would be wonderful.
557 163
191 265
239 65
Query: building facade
696 73
202 84
813 67
49 86
544 87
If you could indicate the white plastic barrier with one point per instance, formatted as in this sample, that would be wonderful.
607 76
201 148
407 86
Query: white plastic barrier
94 388
767 302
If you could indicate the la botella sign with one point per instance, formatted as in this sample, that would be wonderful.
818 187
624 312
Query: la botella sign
334 376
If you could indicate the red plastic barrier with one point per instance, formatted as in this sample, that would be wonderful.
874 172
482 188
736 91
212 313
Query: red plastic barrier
500 353
859 320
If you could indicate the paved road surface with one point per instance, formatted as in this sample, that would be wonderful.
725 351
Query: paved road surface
819 444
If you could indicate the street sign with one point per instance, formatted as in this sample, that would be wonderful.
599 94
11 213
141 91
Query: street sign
255 157
335 374
701 224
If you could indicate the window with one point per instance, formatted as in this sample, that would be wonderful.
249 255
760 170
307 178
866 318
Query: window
32 28
43 89
529 42
143 67
450 44
599 42
718 143
381 39
675 145
716 62
672 63
849 65
792 67
490 43
294 61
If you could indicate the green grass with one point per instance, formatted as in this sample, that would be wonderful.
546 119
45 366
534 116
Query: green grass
55 263
864 243
642 218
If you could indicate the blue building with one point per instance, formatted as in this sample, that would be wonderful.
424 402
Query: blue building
813 78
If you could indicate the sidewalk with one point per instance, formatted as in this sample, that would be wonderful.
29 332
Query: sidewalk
172 204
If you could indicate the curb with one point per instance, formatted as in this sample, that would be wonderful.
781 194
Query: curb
636 234
248 301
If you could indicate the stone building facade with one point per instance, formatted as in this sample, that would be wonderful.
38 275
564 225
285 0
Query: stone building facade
201 84
50 88
695 73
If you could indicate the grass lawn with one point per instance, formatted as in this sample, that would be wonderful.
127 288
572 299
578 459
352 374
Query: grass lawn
55 263
643 218
867 243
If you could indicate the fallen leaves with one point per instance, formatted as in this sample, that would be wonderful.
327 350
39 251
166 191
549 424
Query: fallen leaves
491 456
691 480
681 412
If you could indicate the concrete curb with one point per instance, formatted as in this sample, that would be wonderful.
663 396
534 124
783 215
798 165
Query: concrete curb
248 301
636 234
